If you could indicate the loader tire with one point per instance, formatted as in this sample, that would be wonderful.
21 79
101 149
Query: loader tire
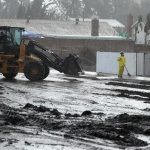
34 71
47 70
10 76
11 73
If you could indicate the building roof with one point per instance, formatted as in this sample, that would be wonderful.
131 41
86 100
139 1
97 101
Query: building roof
50 27
90 37
112 22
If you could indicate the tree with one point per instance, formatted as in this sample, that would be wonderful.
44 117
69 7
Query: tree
28 11
25 2
40 8
145 7
36 8
22 11
1 8
92 7
10 8
75 5
102 8
107 9
122 9
45 9
71 8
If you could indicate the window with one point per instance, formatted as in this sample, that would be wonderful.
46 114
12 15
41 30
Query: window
16 35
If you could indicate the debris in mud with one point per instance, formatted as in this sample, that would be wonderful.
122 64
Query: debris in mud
55 112
147 109
105 131
15 119
147 132
9 141
42 109
131 118
86 113
145 82
119 129
72 115
27 143
99 114
28 106
2 123
39 109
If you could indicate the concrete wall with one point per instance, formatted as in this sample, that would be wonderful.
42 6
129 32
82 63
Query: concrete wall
87 48
93 44
147 65
140 64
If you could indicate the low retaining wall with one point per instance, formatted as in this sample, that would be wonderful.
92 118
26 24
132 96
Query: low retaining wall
86 48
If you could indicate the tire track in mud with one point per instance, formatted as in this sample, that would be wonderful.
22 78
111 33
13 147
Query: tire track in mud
130 85
136 91
132 94
2 91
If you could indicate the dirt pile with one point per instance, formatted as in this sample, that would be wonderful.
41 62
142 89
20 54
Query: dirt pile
121 129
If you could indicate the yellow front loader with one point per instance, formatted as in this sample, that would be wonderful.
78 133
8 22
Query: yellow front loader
26 56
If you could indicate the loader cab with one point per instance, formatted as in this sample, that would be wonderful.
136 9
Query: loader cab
10 39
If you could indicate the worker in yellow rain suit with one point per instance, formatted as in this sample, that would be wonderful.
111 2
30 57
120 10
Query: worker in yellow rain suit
122 63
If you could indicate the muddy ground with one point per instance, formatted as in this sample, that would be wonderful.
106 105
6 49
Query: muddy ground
68 113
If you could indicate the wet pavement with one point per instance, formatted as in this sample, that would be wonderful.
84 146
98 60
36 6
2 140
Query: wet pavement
64 112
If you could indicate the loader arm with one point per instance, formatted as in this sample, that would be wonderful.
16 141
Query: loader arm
69 65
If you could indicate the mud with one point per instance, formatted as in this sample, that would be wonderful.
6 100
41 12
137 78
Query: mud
42 109
129 85
124 93
86 113
132 93
129 93
77 113
138 95
120 129
9 141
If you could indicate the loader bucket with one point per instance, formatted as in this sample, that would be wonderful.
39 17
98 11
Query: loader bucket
71 65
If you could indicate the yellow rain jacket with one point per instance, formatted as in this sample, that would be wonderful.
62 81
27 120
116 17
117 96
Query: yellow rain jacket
122 63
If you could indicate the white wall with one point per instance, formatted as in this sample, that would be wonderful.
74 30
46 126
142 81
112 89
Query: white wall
140 64
147 64
107 63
